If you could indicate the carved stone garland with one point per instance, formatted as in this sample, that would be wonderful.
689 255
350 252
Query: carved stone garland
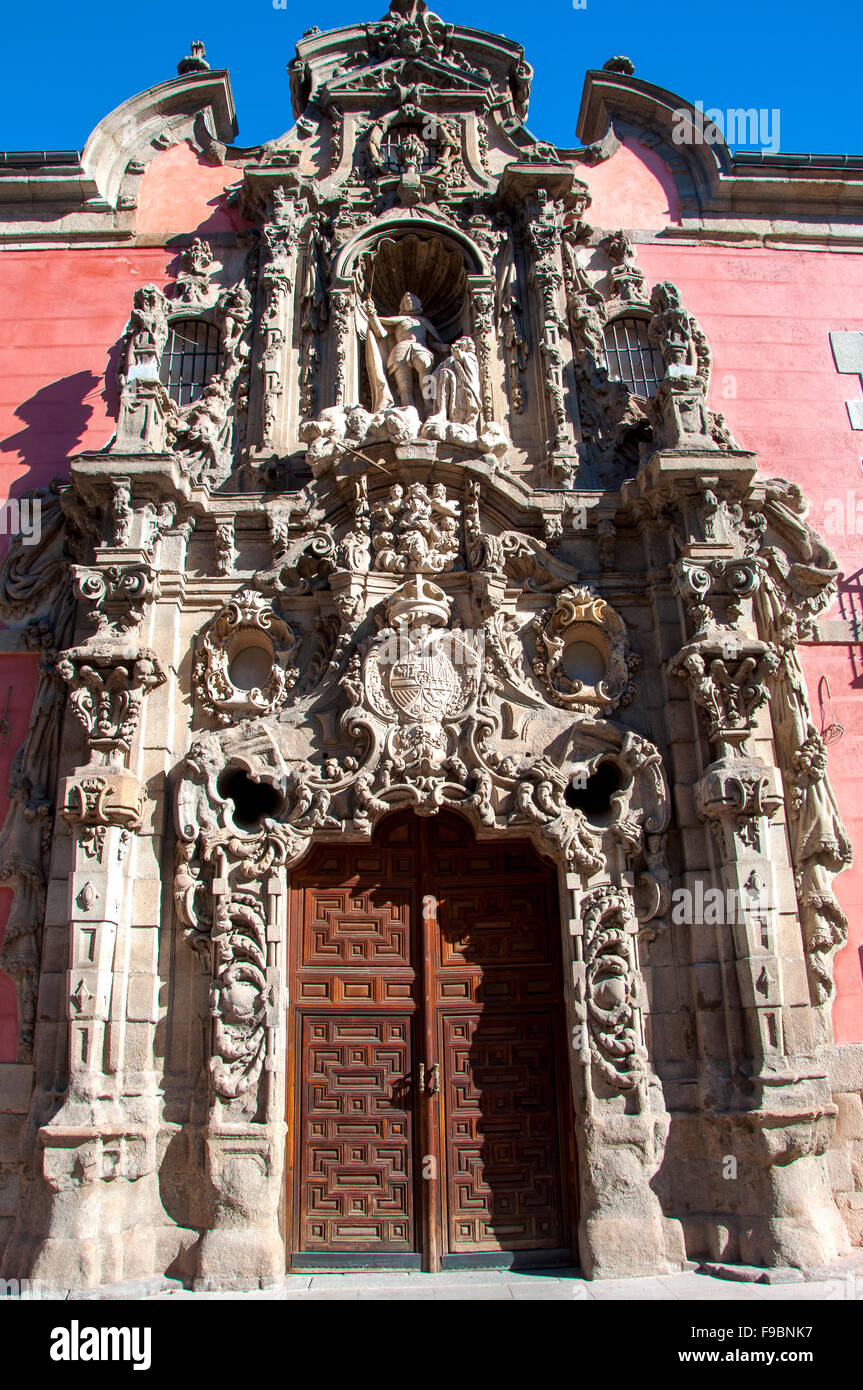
609 1007
788 601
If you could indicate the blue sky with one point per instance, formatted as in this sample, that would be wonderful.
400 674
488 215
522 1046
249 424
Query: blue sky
64 66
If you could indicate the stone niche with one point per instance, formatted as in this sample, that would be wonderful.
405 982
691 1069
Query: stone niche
412 350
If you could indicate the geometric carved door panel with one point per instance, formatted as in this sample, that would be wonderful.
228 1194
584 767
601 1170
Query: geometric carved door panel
503 1154
430 1110
357 1145
498 1001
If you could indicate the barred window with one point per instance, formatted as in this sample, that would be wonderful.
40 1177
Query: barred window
395 137
630 356
192 356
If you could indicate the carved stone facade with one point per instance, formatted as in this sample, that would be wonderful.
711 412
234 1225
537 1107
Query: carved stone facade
412 547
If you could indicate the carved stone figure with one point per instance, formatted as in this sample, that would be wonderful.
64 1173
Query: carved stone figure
146 335
793 591
625 279
510 309
193 282
400 347
415 531
107 688
457 395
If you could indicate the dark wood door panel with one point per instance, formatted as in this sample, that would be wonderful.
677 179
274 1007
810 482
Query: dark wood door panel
354 940
452 855
350 927
503 1151
425 948
356 1145
493 925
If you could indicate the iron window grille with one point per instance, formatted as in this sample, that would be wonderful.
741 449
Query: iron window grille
630 357
390 149
191 358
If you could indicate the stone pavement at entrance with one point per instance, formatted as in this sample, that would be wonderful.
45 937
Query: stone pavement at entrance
557 1284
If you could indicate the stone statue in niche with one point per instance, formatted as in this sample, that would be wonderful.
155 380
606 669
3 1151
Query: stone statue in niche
457 396
400 352
146 335
410 358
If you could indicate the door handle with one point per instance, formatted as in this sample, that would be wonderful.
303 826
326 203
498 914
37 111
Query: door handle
430 1086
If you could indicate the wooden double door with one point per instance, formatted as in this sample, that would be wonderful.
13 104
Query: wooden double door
428 1101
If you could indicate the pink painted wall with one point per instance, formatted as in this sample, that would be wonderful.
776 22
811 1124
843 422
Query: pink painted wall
63 315
180 192
634 189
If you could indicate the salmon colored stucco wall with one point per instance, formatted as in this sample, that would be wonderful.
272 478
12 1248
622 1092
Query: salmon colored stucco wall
62 317
634 189
64 313
766 314
180 192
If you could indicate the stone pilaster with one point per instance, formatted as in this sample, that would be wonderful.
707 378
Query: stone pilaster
97 1155
543 237
243 1247
624 1231
781 1109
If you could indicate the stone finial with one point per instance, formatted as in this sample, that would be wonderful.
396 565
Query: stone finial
195 60
619 63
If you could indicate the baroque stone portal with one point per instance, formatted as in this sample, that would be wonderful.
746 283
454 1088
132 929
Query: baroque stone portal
414 645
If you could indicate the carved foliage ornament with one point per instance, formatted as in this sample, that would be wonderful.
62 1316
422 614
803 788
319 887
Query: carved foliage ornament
231 936
101 798
611 1004
118 595
584 660
238 995
728 683
107 689
714 591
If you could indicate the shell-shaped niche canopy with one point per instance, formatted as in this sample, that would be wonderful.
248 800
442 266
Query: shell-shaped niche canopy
427 267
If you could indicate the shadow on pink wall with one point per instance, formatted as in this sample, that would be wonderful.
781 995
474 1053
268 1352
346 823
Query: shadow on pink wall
53 420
